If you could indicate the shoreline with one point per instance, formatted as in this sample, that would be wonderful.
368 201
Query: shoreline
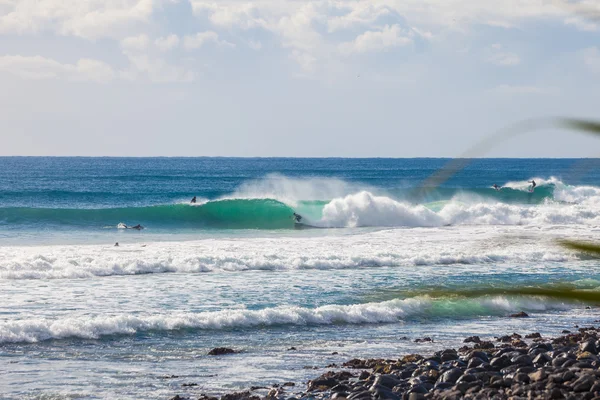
517 366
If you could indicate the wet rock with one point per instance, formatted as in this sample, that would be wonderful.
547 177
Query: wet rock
189 384
292 349
588 346
521 314
219 351
424 340
451 376
388 381
535 335
583 384
472 339
240 396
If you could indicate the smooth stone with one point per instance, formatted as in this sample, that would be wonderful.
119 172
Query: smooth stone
584 383
588 346
475 362
539 375
542 359
521 360
451 376
386 380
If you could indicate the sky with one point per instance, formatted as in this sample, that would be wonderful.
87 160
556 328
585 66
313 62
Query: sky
326 78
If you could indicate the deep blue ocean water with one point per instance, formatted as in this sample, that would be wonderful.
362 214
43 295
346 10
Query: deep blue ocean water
83 318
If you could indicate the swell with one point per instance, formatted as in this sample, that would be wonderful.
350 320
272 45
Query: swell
392 311
228 213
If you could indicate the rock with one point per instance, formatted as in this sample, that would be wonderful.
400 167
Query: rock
583 384
588 346
521 314
364 375
484 345
189 384
539 375
177 397
535 335
292 349
424 340
388 381
521 360
288 384
541 360
218 351
451 376
500 362
472 339
240 396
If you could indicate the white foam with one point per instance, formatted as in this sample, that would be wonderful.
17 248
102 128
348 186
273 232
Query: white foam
96 326
391 248
365 209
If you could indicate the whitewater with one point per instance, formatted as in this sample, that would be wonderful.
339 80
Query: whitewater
83 318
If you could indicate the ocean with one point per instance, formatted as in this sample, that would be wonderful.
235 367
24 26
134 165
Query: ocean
83 318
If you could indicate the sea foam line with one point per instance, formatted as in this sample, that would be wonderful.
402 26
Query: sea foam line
94 327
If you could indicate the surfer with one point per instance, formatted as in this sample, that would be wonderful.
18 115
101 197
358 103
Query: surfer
117 244
533 185
496 187
138 227
193 200
297 217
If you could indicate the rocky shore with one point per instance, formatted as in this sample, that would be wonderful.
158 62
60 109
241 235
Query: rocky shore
509 367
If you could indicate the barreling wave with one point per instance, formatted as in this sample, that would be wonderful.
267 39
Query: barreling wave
552 202
227 213
392 311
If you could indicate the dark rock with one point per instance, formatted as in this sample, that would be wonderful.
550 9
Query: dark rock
218 351
521 314
292 349
364 375
535 335
588 346
424 340
484 345
178 397
340 388
388 381
500 362
472 339
475 362
240 396
288 384
522 360
189 384
583 384
451 376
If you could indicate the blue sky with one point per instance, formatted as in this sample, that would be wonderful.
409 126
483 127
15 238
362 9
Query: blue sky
378 78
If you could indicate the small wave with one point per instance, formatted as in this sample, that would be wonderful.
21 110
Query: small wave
94 327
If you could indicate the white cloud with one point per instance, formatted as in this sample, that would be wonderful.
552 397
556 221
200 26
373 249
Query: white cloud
135 43
373 41
582 24
198 40
90 19
38 67
167 43
516 89
497 56
362 13
156 70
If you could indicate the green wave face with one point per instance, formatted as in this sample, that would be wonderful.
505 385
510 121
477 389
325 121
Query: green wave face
223 214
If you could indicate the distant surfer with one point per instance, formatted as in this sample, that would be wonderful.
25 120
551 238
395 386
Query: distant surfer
496 187
138 226
117 244
533 185
297 217
193 200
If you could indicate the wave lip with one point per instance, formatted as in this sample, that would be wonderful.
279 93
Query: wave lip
95 327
